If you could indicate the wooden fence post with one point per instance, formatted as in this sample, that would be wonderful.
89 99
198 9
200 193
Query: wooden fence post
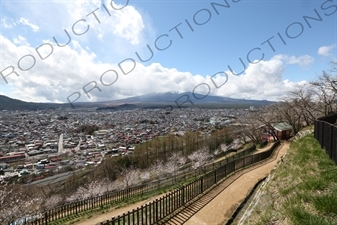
141 213
137 210
133 216
46 217
156 211
215 178
182 195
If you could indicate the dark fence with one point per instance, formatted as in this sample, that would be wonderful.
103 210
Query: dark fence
326 134
160 209
118 196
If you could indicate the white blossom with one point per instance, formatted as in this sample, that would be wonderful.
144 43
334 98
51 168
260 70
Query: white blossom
91 189
199 158
130 176
52 202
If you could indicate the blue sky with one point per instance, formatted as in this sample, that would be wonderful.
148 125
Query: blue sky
263 49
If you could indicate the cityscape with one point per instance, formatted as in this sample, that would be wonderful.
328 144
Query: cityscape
219 112
78 138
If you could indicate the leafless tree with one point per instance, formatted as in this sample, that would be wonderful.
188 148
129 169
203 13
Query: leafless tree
289 111
249 127
304 99
267 117
325 88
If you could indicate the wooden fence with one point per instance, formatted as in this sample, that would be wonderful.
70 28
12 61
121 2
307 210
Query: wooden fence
118 196
159 209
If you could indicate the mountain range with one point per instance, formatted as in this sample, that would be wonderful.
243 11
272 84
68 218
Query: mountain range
153 100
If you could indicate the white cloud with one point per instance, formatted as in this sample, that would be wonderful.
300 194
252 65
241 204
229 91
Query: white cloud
5 24
26 22
326 50
112 38
20 41
70 68
128 24
53 78
304 61
260 81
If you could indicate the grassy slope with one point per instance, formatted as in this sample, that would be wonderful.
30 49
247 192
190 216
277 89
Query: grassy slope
302 190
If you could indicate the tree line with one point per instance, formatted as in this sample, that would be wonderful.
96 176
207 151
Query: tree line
300 108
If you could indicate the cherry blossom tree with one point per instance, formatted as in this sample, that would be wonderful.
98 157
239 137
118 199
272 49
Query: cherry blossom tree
145 175
115 185
174 162
199 158
52 201
236 144
17 204
160 168
157 169
90 189
5 212
130 176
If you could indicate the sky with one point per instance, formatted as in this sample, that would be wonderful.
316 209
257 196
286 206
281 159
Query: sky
99 50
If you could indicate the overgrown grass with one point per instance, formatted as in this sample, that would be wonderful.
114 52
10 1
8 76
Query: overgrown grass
303 189
301 216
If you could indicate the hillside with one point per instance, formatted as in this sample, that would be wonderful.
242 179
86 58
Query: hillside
174 99
302 190
153 100
7 103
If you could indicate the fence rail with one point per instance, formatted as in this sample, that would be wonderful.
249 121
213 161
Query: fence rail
159 209
325 133
117 196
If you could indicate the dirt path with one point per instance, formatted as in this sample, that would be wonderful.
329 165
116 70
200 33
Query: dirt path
220 209
217 205
265 148
96 219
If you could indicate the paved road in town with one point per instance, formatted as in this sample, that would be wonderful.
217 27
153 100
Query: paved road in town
52 179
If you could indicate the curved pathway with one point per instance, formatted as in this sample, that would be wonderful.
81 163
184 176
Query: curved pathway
226 197
218 204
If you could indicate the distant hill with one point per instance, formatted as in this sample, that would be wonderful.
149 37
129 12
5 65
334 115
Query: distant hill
152 100
7 103
174 98
119 107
